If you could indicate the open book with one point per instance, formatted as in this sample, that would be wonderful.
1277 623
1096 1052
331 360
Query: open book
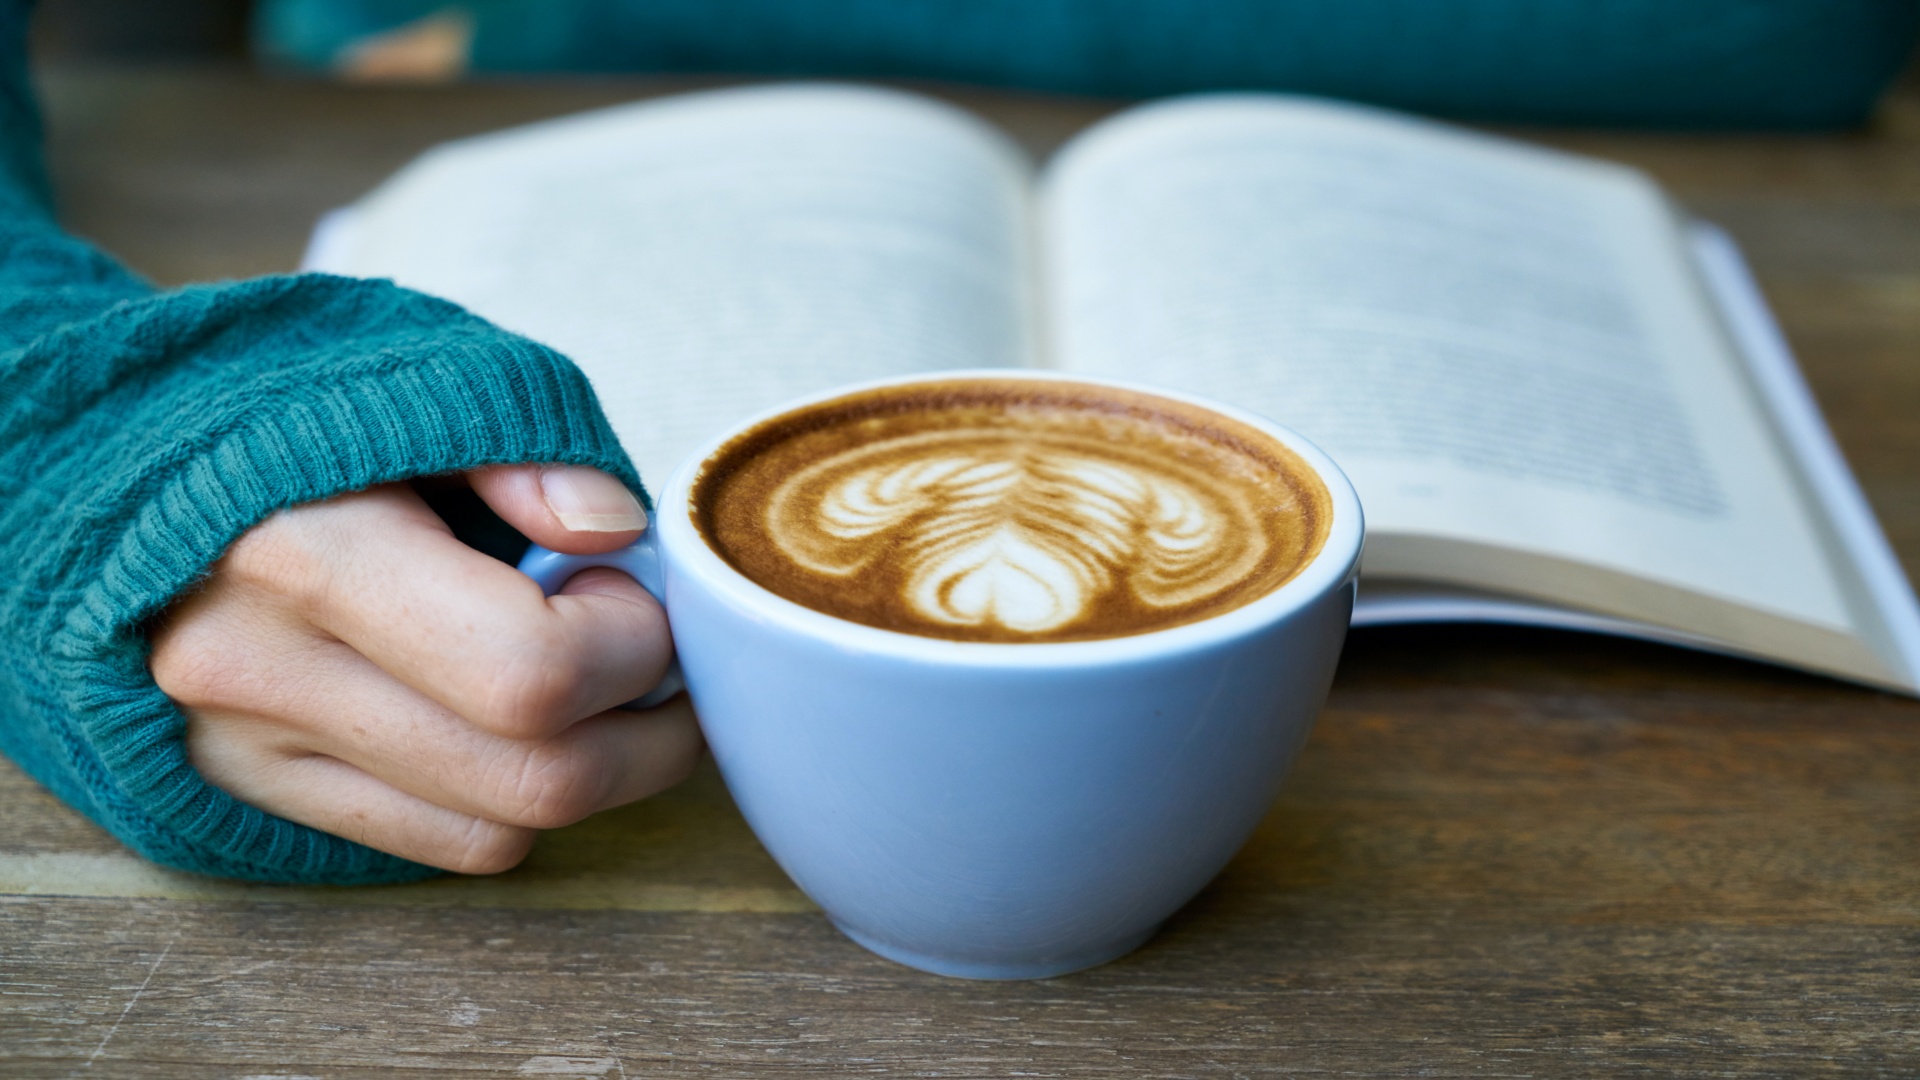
1561 402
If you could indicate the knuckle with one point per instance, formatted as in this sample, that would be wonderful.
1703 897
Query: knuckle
529 694
298 553
485 847
550 787
198 666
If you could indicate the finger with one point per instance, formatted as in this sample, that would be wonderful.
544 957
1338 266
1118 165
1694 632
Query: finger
379 572
225 646
279 688
567 508
350 710
335 797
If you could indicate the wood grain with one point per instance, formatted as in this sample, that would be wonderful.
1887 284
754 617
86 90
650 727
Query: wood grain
1503 853
266 991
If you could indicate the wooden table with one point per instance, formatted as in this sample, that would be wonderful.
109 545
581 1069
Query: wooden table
1503 853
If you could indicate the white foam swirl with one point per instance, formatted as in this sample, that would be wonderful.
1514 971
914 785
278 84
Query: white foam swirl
1025 534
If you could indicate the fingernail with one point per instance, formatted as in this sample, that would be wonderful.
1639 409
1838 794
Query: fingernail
588 500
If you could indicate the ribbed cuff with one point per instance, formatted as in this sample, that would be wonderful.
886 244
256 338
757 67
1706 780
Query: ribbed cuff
430 407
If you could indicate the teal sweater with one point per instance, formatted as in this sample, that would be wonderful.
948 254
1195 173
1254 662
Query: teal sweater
1694 63
142 431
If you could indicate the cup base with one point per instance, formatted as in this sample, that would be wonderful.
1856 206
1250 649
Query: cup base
960 968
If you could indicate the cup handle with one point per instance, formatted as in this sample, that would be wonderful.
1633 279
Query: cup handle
641 559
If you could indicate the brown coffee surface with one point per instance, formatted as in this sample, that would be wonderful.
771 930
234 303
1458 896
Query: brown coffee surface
1011 510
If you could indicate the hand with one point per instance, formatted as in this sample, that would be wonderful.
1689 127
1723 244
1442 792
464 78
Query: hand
352 666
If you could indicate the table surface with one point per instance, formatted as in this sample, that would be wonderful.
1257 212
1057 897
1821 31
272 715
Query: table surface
1504 852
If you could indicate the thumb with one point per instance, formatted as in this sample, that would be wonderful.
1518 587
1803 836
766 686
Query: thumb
567 508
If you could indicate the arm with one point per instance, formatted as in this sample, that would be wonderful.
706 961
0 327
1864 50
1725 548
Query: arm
142 434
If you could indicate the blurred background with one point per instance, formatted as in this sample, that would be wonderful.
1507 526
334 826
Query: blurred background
142 30
1779 64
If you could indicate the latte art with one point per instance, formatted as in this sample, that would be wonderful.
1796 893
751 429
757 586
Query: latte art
1011 510
1016 530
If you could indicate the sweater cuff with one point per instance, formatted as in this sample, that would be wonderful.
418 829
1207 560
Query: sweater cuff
448 394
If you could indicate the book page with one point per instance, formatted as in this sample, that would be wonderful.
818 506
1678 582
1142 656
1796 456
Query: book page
1503 346
708 256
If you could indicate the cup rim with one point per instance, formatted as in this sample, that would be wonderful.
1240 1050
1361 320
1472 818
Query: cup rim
1337 562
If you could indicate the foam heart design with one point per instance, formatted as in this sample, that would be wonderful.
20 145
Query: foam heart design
1028 533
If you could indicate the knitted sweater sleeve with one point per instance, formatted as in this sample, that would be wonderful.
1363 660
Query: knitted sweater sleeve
142 432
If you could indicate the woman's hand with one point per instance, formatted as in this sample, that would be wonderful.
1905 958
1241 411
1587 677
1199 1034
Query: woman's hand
352 666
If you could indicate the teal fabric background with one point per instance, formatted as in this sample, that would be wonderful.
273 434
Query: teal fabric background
141 432
1689 63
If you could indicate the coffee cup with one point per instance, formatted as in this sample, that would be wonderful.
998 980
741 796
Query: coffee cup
965 655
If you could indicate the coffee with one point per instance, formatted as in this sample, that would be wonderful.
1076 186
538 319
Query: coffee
1011 510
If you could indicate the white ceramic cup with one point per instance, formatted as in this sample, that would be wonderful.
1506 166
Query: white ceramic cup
985 810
